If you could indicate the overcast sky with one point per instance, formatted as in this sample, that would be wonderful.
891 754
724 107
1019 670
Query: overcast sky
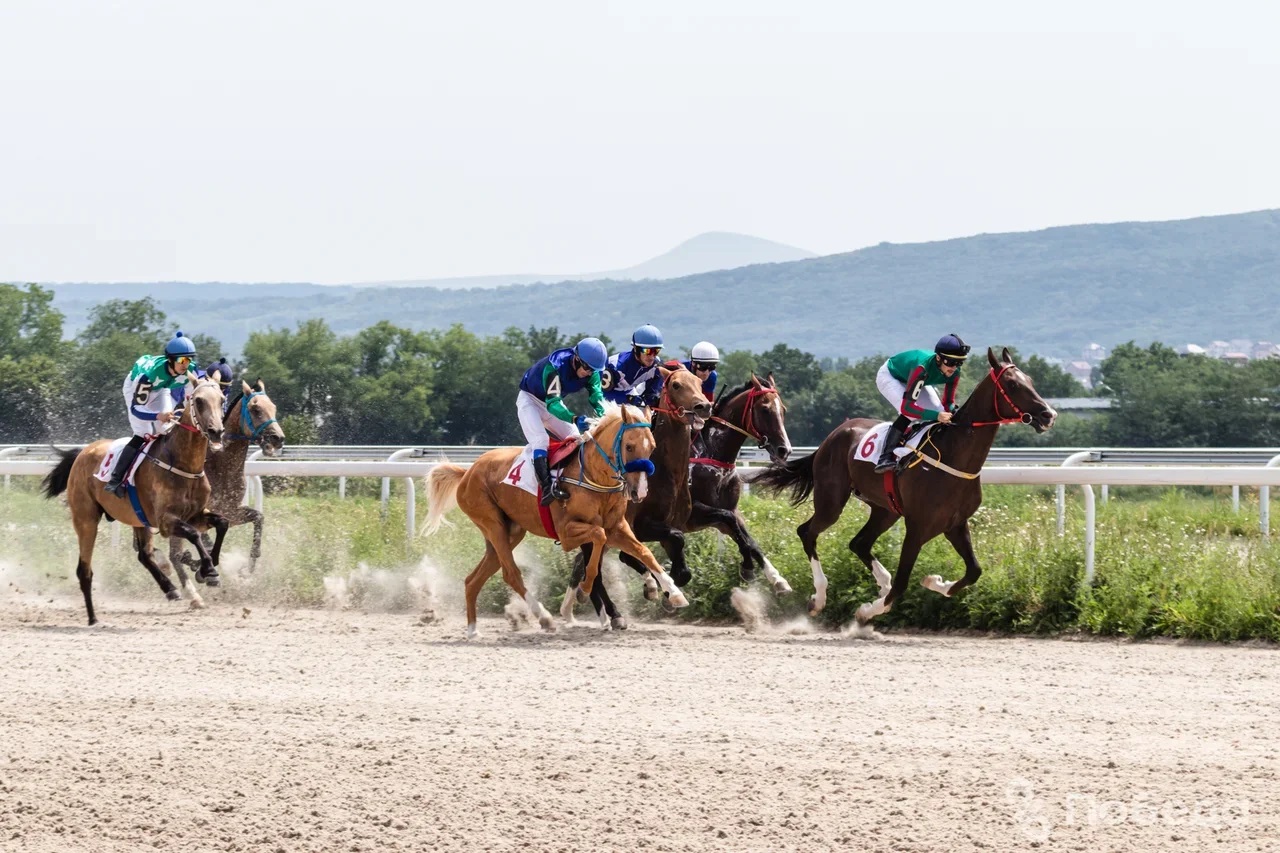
357 141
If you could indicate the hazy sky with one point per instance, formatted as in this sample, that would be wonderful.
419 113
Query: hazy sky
358 141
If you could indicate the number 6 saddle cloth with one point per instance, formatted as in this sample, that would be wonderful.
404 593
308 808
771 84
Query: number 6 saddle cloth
872 443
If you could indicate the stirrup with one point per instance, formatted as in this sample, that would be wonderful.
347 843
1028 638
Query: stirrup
884 466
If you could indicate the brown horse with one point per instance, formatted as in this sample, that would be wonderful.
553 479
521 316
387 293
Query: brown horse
250 419
937 493
171 490
612 461
680 413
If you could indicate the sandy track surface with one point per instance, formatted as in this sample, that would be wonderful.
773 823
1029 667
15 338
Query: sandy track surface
277 729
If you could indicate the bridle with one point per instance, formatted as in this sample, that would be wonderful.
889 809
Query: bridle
748 427
1021 417
616 465
246 420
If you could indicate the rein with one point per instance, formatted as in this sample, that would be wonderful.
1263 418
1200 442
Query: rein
747 429
1021 416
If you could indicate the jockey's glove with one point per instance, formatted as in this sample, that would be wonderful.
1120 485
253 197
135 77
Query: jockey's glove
581 423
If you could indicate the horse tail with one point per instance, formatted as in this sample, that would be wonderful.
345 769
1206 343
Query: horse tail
796 476
55 482
442 495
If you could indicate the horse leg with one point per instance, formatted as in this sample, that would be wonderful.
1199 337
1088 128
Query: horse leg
732 524
484 570
959 538
219 523
651 591
142 542
911 546
87 534
880 520
178 556
623 539
828 503
206 573
248 515
503 545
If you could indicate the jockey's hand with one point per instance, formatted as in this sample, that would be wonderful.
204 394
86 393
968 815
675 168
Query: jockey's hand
598 410
581 423
164 417
944 417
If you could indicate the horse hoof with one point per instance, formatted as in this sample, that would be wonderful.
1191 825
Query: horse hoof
651 591
548 626
173 595
748 574
781 588
472 632
814 610
682 577
581 594
618 623
675 600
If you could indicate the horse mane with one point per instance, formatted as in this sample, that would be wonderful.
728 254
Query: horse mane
724 399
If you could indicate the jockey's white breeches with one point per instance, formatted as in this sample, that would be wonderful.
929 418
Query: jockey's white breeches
894 390
536 421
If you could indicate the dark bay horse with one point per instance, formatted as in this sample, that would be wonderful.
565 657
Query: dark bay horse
661 516
936 494
172 492
610 468
250 419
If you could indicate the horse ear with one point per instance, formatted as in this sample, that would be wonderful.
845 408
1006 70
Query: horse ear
261 387
773 383
1005 357
665 371
216 376
244 386
991 358
755 380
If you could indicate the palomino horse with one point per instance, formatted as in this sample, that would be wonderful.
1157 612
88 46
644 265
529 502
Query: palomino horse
682 410
172 492
598 477
937 493
250 419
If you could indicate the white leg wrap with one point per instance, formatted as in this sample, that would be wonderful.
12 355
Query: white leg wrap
780 585
883 579
819 586
566 606
871 609
674 596
938 585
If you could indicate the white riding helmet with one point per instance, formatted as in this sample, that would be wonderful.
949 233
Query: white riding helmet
704 351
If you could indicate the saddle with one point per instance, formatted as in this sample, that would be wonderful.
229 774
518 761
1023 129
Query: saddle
560 452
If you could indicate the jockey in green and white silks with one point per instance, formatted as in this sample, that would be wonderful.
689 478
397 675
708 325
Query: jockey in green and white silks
149 399
907 381
540 403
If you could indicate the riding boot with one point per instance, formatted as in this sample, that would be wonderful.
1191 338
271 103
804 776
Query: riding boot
127 454
892 439
551 491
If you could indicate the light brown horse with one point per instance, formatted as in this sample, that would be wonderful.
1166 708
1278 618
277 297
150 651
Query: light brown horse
612 462
250 419
171 489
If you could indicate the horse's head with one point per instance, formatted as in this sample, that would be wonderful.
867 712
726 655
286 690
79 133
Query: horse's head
682 397
624 442
203 411
257 419
756 410
1015 396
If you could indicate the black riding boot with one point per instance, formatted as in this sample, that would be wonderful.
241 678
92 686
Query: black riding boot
550 491
127 454
892 439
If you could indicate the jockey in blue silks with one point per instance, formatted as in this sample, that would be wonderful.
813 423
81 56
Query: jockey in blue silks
540 403
635 378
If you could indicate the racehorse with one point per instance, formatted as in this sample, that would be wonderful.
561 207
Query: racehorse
250 419
172 492
681 411
937 492
611 465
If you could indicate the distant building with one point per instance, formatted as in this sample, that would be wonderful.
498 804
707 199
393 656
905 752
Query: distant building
1238 359
1094 353
1081 370
1191 349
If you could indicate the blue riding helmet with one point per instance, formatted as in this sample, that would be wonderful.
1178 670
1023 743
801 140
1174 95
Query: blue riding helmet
950 346
646 336
592 352
224 371
180 345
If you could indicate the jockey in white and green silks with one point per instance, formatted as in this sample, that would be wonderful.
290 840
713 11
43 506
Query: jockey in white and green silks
148 396
540 403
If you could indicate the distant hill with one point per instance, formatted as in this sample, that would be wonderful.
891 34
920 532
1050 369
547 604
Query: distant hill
714 250
1047 291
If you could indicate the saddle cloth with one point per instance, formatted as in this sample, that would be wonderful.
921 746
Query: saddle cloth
872 443
521 474
113 453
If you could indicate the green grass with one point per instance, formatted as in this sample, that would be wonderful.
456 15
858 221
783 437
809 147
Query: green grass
1170 562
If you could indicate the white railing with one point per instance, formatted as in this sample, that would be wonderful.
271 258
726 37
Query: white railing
1080 468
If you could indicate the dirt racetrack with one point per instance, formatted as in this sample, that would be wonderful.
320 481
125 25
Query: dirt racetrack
279 729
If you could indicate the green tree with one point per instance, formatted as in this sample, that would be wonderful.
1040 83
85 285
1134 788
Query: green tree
31 353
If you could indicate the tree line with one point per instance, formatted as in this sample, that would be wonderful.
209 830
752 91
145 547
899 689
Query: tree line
387 384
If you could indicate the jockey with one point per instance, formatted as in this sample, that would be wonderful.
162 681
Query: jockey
634 378
702 362
149 392
540 403
907 381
